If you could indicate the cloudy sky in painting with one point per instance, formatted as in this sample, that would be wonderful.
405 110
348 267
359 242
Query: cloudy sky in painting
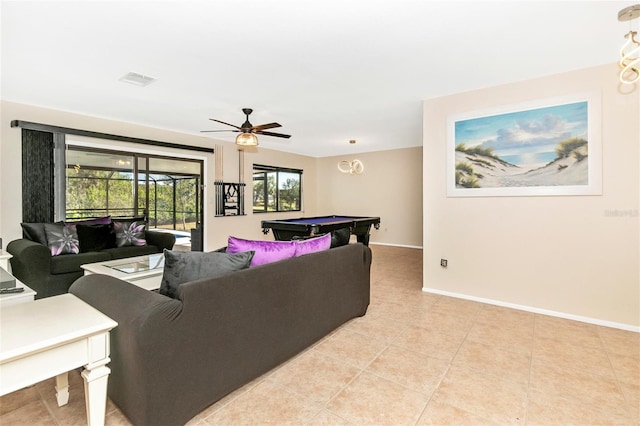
525 138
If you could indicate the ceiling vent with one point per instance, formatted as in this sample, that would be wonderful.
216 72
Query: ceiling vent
137 79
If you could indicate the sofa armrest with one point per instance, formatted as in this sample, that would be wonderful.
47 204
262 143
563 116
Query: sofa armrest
31 261
145 329
162 240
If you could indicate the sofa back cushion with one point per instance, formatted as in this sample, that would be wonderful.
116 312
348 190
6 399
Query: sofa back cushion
184 266
265 251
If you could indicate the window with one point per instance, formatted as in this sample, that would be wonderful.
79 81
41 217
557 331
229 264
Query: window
165 190
276 189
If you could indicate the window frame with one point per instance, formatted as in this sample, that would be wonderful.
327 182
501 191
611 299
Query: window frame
264 170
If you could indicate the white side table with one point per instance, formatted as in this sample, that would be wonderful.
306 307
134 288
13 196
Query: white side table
50 337
8 299
4 260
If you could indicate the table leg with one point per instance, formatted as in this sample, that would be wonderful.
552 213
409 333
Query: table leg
95 393
62 388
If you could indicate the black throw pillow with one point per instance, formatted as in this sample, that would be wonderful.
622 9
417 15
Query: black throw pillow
184 266
34 232
95 237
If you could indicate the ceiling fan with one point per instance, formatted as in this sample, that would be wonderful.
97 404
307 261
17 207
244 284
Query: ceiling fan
248 131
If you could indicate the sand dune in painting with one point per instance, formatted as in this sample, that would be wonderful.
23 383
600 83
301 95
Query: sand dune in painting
475 170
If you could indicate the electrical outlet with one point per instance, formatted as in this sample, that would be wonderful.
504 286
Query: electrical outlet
443 263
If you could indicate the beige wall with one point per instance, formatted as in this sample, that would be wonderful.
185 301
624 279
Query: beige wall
390 187
566 254
217 229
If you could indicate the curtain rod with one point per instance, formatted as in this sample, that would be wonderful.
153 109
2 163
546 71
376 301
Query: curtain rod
57 129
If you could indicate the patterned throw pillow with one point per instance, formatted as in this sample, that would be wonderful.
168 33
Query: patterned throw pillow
130 233
61 239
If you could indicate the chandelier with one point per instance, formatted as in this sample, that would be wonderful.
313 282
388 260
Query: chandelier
630 51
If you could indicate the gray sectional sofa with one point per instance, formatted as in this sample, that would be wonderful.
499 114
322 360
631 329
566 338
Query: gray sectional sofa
173 357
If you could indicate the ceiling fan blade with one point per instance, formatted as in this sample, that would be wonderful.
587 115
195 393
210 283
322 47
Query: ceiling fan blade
212 131
228 124
277 135
266 126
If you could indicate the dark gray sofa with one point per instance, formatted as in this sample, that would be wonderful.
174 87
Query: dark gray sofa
171 358
33 264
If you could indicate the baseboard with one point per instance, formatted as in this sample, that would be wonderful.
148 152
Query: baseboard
371 243
589 320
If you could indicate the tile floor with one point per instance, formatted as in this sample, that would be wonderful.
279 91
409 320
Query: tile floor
418 359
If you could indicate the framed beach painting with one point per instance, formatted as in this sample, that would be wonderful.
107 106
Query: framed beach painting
546 147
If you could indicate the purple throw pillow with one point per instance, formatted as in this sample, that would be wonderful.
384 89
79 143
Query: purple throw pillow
313 245
265 251
61 239
130 233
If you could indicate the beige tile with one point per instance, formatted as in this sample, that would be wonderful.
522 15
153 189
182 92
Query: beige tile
552 409
620 342
265 403
508 336
567 331
570 356
438 413
372 400
410 369
501 316
627 368
351 347
327 418
631 392
578 385
116 418
33 413
445 319
376 325
483 395
18 399
493 360
429 341
459 306
315 375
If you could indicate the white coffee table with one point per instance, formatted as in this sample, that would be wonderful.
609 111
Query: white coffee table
50 337
143 271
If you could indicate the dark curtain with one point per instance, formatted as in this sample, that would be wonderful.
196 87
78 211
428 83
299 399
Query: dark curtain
37 176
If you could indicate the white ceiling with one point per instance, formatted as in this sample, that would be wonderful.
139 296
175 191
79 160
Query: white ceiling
327 70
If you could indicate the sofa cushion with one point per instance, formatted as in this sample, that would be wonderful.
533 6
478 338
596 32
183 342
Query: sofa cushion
312 245
95 237
184 266
71 262
61 239
130 232
34 232
131 251
265 251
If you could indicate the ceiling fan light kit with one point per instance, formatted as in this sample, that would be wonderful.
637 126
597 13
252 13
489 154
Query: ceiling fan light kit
246 139
248 132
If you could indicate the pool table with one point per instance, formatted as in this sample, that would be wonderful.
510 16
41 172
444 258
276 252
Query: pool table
284 230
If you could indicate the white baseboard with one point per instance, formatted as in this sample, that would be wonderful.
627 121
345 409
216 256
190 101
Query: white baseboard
371 243
589 320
